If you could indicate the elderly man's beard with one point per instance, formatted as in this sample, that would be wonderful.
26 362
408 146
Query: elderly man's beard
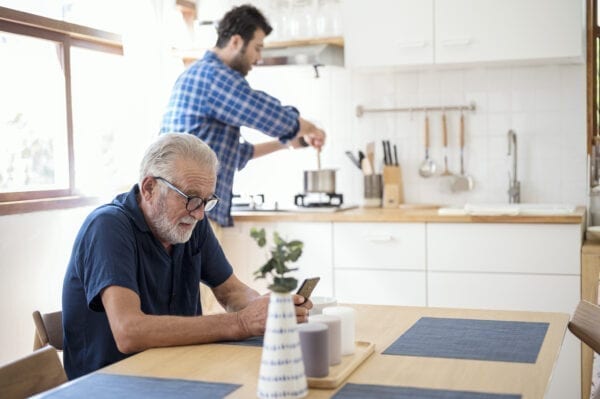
166 231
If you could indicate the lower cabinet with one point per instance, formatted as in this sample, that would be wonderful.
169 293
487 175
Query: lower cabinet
380 287
533 267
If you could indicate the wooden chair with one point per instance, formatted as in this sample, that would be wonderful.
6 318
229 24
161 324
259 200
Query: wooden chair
49 330
31 374
585 324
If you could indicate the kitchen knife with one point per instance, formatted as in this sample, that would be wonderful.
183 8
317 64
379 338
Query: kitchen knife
395 156
353 159
386 161
388 152
361 156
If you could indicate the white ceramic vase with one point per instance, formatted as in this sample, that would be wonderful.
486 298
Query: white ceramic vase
281 368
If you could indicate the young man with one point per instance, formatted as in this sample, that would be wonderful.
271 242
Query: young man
133 278
212 100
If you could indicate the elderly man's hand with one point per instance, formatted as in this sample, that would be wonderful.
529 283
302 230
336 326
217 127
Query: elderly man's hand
302 308
253 318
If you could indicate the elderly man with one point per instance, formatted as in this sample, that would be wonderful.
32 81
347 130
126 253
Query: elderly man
132 282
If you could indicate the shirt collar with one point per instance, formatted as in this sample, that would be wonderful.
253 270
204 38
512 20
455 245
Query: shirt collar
129 204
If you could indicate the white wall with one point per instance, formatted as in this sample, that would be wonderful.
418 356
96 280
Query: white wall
35 248
544 104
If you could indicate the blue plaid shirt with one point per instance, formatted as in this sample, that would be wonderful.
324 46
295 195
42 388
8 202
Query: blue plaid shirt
212 100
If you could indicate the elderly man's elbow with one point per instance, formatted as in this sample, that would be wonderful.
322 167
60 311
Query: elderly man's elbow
127 340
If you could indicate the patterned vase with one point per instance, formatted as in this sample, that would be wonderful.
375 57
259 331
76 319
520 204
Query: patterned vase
281 368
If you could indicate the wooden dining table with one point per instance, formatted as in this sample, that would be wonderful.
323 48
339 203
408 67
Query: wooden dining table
380 325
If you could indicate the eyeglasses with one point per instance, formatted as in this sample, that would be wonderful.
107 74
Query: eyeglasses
193 202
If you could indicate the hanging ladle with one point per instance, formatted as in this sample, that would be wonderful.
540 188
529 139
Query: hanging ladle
428 167
462 182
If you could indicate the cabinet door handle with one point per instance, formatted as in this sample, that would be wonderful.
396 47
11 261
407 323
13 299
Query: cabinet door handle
415 44
380 238
456 42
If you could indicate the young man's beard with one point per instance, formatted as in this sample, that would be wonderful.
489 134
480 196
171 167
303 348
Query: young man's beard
239 62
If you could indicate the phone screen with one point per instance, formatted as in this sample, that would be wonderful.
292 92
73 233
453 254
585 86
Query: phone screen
308 286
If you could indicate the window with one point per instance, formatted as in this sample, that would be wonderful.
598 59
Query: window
54 110
75 113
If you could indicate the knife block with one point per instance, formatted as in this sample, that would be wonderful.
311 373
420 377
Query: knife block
393 191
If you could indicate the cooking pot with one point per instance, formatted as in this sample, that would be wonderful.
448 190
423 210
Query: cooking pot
319 181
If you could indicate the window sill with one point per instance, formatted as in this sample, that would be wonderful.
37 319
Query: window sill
47 204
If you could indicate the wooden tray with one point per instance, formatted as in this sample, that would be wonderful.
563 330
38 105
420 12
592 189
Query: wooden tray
339 372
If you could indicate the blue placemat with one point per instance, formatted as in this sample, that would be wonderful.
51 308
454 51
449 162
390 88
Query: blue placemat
254 341
360 391
494 340
112 386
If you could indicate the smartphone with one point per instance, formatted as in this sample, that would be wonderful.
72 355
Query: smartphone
307 287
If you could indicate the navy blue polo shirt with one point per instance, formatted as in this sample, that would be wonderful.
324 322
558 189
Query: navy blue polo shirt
115 246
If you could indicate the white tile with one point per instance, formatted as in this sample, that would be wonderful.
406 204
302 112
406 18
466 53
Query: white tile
499 101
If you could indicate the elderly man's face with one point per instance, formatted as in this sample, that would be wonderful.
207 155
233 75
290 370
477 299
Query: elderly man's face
168 216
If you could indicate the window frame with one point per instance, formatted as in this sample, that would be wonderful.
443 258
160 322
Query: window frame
66 35
593 92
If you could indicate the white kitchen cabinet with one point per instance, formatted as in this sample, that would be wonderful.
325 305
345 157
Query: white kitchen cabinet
491 30
398 246
388 32
380 287
504 248
426 32
316 260
510 266
380 263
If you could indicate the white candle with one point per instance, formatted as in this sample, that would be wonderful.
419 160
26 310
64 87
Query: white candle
346 314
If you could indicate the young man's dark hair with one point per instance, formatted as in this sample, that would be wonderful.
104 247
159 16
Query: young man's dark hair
244 21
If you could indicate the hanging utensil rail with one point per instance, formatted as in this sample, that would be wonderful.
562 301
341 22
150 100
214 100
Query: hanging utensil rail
360 110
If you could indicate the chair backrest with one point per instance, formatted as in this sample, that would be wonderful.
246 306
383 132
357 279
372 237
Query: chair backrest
31 374
49 330
585 324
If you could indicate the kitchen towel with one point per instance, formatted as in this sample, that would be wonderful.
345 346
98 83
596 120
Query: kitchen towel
361 391
253 341
493 340
113 386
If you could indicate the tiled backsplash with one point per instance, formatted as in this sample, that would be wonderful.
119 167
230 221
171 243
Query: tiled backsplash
545 105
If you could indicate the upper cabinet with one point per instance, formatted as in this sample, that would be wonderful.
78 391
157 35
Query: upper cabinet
417 32
491 30
388 32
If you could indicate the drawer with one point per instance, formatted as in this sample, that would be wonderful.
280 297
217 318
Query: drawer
379 246
380 287
498 247
535 292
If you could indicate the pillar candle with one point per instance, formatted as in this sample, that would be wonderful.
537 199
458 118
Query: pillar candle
314 343
334 330
346 314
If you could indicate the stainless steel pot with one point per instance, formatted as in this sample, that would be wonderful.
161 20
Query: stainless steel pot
319 181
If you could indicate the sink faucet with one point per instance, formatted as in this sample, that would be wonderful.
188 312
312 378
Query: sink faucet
514 186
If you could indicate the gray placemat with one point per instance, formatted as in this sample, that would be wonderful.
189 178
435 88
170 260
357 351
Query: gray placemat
494 340
254 341
113 386
361 391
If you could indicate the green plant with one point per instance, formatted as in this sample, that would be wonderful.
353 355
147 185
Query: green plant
281 253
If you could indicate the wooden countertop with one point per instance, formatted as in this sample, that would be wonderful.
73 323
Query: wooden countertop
403 215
